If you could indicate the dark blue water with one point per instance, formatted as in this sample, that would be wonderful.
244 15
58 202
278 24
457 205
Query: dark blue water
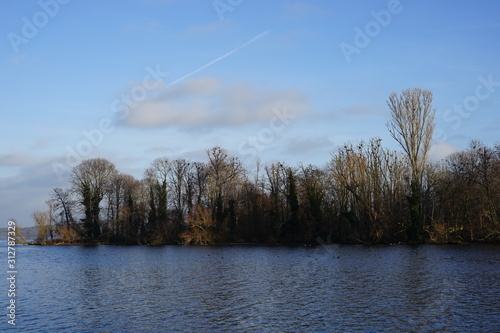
346 288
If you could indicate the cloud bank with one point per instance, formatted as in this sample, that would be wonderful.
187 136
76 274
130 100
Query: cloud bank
208 103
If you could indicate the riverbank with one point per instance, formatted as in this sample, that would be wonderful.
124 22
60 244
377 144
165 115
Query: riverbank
94 242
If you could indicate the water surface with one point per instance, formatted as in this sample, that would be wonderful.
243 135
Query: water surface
332 288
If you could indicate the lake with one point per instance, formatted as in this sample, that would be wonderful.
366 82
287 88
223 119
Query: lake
330 288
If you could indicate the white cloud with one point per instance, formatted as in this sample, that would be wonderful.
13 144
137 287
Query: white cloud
41 143
306 145
440 151
28 189
17 160
206 102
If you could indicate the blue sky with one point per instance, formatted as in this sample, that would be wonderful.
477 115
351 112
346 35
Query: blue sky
277 80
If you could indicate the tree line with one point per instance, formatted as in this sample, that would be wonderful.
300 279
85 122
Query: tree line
365 194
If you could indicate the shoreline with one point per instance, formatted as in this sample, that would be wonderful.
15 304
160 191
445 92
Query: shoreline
59 242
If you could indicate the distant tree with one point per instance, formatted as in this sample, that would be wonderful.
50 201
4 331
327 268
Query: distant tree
284 213
198 178
276 186
223 182
52 219
161 168
42 222
356 178
253 221
366 194
64 203
149 186
124 202
201 229
292 225
90 180
412 124
133 211
114 198
179 190
470 193
312 191
157 176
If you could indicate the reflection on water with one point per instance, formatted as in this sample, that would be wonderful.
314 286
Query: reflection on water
333 288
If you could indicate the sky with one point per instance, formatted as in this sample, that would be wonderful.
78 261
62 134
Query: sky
281 80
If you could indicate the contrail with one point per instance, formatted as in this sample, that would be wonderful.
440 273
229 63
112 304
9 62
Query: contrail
218 59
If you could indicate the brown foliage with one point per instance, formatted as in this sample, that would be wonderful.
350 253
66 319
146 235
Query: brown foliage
201 228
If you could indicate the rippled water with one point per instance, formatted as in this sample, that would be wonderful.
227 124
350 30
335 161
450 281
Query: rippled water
333 288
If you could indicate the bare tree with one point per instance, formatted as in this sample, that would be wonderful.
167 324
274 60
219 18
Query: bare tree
178 184
275 186
223 170
90 180
122 197
412 124
472 192
161 168
42 223
198 182
201 228
63 203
